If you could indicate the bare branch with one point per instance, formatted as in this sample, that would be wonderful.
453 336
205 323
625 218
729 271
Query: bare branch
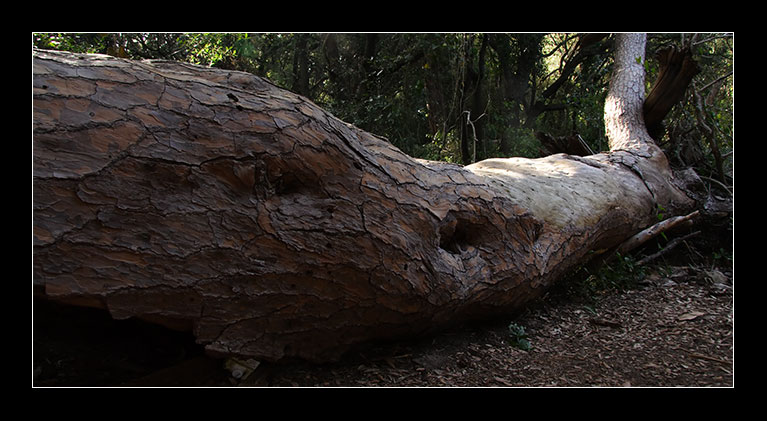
711 39
700 115
671 244
717 80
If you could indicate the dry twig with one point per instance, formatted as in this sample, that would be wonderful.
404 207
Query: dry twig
673 243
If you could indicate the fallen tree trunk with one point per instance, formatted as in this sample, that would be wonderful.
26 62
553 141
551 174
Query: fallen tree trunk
214 201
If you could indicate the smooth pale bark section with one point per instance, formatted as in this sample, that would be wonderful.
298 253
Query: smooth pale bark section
567 192
215 201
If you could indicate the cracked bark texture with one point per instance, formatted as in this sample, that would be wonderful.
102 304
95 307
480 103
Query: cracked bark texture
212 200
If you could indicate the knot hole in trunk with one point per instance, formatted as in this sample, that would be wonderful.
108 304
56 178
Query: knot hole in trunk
457 234
275 178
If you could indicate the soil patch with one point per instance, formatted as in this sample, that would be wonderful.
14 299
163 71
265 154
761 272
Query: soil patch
673 330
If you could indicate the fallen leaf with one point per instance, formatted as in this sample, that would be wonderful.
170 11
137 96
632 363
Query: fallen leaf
390 362
691 316
503 381
605 322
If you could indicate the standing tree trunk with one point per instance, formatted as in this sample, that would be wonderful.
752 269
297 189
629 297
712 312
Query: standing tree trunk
214 201
301 65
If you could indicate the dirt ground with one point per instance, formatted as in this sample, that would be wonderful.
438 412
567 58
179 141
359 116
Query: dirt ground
672 328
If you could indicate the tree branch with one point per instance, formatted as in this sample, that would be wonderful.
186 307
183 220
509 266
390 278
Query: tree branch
709 134
694 43
670 246
717 80
652 232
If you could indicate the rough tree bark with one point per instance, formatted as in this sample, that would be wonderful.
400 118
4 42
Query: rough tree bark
214 201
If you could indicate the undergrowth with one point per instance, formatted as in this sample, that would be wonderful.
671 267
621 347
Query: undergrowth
586 283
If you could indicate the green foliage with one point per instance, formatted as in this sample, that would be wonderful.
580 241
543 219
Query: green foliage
78 43
216 49
518 337
660 215
522 143
620 273
722 257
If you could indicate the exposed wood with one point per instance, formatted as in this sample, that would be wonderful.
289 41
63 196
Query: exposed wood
677 68
213 200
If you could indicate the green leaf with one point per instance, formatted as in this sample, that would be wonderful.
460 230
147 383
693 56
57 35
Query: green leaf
524 344
519 337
